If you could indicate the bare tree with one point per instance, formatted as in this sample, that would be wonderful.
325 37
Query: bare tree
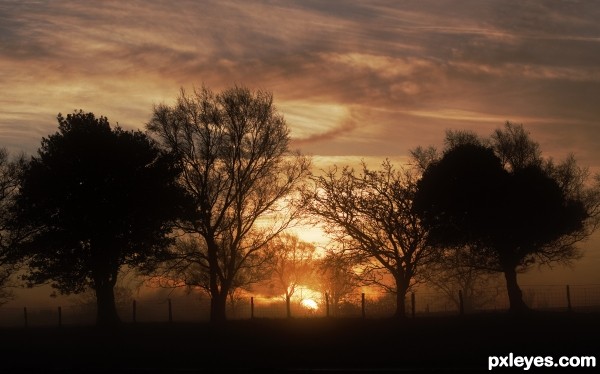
455 271
371 214
188 267
337 278
233 147
291 264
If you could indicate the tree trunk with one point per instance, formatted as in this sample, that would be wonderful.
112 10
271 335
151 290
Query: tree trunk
106 308
335 307
515 296
218 307
400 304
288 309
401 290
218 295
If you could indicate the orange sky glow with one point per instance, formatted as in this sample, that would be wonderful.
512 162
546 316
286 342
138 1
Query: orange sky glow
355 80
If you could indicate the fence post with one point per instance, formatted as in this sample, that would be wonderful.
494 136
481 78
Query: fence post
252 307
412 304
461 303
25 316
134 312
362 304
170 312
327 304
59 316
569 307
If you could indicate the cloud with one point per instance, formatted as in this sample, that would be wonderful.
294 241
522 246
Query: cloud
345 127
372 77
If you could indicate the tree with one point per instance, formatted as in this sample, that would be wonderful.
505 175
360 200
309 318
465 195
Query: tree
502 199
454 271
291 264
99 198
86 302
337 278
233 149
187 267
371 214
10 235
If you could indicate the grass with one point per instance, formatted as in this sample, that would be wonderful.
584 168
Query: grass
317 344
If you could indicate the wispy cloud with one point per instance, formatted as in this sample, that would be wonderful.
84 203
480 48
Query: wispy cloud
375 78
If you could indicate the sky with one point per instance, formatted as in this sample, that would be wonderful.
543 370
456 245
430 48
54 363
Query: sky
354 79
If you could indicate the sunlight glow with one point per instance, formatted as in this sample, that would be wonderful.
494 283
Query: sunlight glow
309 304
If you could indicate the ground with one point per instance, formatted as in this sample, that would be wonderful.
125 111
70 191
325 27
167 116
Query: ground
453 343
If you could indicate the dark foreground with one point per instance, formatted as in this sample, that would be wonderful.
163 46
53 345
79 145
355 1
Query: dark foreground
455 343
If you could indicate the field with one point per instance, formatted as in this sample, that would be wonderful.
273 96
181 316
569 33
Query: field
451 343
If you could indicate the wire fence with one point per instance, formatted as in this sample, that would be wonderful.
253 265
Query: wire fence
579 298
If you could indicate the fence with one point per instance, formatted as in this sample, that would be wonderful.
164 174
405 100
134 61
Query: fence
581 298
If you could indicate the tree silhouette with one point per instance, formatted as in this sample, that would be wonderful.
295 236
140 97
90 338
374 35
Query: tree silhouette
99 199
233 149
337 278
291 264
187 267
10 234
370 214
455 270
502 199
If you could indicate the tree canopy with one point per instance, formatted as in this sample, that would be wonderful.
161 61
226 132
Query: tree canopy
233 148
501 198
98 198
370 213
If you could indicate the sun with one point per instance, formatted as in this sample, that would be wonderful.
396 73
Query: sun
309 304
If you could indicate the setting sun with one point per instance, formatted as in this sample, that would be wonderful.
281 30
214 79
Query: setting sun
309 304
